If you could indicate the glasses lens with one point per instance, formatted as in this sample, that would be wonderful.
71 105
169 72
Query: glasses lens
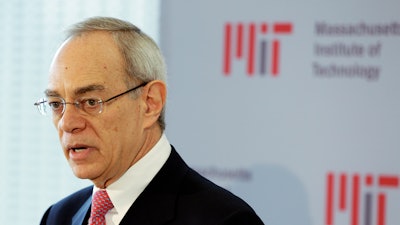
41 106
54 105
91 105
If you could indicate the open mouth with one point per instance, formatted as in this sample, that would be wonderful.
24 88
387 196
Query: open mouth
79 149
78 152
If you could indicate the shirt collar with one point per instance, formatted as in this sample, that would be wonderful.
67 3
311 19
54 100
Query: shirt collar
129 186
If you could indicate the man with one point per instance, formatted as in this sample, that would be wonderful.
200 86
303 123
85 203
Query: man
106 94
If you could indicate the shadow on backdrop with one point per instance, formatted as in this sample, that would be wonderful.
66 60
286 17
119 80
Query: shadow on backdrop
278 196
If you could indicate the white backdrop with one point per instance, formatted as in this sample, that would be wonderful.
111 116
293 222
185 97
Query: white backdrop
316 141
273 140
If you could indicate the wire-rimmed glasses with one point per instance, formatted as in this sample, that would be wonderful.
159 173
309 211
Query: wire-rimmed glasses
91 105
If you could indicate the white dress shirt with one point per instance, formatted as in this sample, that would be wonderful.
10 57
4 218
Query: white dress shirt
127 188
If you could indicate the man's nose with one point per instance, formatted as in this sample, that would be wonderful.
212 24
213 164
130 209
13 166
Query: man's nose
71 120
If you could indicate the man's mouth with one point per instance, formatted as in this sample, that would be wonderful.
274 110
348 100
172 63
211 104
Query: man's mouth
78 152
79 149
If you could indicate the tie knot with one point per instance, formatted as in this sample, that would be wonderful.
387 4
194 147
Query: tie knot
101 204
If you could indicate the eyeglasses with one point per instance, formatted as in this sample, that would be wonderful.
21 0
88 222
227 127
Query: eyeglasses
91 105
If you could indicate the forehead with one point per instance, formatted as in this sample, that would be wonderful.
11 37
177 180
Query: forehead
89 59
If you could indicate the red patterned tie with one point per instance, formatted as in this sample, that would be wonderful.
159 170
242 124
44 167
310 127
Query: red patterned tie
101 203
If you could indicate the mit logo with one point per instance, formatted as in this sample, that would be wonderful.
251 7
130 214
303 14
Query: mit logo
252 38
362 198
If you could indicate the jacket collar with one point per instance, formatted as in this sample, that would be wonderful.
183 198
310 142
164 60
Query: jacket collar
157 203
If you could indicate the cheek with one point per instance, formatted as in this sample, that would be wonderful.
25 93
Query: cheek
112 127
115 125
56 126
121 123
55 122
129 119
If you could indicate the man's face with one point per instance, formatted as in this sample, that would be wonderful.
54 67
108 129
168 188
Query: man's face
103 146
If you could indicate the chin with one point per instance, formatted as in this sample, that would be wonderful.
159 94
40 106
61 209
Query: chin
82 172
81 175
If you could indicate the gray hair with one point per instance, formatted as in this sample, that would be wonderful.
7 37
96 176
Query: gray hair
143 58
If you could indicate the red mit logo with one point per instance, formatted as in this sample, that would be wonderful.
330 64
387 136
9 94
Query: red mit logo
239 37
346 193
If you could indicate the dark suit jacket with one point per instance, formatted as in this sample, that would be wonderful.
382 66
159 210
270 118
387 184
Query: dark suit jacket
176 195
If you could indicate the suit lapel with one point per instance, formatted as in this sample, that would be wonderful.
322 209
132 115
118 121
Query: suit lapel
156 204
82 214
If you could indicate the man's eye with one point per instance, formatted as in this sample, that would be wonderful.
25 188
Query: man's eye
90 102
55 105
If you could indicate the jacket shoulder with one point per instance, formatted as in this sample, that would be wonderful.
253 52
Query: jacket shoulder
63 211
201 200
212 202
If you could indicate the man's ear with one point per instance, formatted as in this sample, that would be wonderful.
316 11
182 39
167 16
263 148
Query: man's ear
154 96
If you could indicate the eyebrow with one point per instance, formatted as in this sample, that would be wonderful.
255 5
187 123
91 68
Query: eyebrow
78 91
